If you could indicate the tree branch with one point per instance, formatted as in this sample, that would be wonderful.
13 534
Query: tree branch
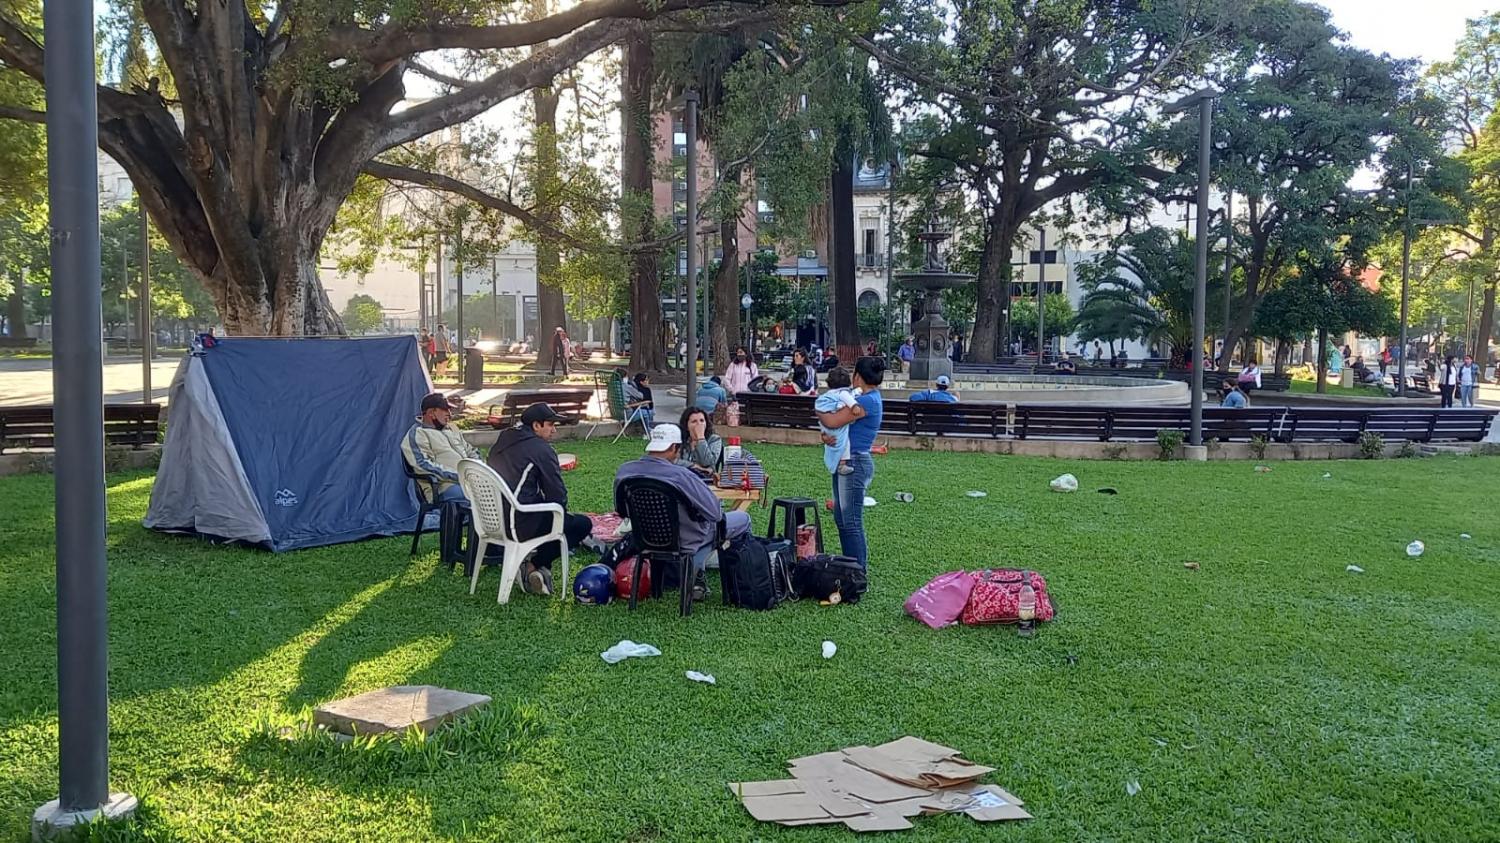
448 184
478 97
28 115
392 41
436 76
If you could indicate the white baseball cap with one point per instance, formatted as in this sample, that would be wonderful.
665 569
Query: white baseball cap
944 380
663 437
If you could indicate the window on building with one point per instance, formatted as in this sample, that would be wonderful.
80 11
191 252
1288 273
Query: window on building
870 247
1036 256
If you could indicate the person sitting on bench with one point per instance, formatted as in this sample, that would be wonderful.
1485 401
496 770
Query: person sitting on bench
524 459
940 395
699 511
433 448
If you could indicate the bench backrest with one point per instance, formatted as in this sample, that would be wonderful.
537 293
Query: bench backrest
133 425
573 403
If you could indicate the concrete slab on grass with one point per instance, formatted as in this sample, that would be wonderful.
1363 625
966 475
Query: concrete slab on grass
397 708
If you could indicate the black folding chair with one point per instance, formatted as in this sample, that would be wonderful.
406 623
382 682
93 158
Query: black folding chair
652 507
452 519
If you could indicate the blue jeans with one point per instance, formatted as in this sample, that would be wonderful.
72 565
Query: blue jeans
1466 395
452 493
849 506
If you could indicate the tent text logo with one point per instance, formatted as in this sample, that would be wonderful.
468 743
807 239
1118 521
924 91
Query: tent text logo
286 497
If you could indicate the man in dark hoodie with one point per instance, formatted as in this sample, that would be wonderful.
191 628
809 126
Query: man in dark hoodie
525 460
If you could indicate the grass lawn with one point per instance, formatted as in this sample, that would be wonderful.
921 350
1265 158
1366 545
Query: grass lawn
1309 387
1269 695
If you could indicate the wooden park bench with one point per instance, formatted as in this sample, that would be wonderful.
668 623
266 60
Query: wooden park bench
1421 383
573 403
18 342
132 425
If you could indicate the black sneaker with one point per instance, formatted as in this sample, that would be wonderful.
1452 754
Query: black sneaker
700 588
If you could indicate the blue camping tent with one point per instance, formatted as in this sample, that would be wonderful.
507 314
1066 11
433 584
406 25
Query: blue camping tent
290 443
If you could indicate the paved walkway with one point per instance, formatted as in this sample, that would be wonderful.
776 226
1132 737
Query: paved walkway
29 381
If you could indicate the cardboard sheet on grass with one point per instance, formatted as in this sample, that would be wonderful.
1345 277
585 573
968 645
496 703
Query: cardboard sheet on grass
879 788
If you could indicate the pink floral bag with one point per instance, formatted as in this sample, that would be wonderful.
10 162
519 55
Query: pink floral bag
940 602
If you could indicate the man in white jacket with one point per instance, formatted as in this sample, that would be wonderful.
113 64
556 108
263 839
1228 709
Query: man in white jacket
432 448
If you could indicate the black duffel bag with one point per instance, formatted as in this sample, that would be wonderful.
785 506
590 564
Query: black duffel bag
753 572
822 576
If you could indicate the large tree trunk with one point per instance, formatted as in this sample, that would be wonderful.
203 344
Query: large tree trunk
1486 328
841 260
549 297
15 310
992 315
1322 367
726 321
647 337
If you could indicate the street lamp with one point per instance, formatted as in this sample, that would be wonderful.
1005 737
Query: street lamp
745 302
78 384
1204 99
690 128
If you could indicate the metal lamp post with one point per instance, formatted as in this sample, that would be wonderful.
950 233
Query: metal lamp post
690 128
1204 99
746 302
1041 293
78 384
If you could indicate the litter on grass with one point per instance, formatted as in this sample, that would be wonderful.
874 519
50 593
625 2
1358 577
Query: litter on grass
1355 569
1191 566
1262 469
905 497
1132 787
1326 475
829 648
869 501
1065 483
1108 490
879 788
706 678
1465 536
975 493
1415 548
628 649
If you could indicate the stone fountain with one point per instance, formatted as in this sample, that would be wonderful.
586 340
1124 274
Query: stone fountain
931 331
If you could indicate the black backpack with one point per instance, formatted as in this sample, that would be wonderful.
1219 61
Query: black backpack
754 573
821 576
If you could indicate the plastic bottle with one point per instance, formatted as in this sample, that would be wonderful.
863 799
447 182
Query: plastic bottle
733 451
1026 608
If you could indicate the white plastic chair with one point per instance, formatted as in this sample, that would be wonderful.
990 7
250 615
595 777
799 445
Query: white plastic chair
488 498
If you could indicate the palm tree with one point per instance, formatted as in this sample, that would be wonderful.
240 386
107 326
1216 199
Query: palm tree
1142 289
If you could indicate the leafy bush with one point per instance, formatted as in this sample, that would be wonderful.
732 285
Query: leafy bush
1169 441
1371 445
1258 445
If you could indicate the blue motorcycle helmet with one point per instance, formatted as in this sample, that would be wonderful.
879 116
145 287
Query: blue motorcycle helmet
593 585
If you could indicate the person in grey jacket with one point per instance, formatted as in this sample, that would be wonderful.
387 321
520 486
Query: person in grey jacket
524 459
702 449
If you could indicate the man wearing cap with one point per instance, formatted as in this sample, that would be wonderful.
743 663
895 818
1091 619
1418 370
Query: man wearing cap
941 394
433 448
699 512
524 459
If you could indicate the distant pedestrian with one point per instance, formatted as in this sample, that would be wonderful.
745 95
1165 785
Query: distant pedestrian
1448 380
1098 353
560 347
739 372
442 349
1468 376
906 353
956 348
1385 360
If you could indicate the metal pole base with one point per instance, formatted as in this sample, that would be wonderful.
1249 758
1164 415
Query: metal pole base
1195 453
51 822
